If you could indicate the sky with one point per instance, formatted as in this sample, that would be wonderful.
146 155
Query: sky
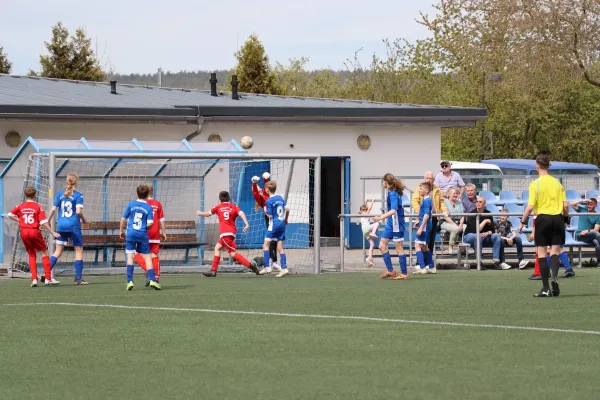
136 36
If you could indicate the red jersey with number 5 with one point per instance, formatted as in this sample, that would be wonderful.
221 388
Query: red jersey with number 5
31 215
159 216
227 214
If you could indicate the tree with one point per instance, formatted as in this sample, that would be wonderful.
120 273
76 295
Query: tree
70 58
253 69
5 65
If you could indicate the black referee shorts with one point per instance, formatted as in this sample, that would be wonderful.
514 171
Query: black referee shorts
549 230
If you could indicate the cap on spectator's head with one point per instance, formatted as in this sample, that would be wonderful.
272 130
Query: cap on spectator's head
445 162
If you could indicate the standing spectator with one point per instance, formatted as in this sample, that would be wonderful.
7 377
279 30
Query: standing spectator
487 236
588 228
439 207
453 225
547 198
449 179
509 237
470 202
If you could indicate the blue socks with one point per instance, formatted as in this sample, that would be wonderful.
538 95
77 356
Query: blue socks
283 261
78 269
402 259
564 260
428 259
387 259
53 261
129 273
420 259
267 257
151 274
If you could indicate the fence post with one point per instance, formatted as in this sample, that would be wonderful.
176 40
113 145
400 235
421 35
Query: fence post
478 242
342 243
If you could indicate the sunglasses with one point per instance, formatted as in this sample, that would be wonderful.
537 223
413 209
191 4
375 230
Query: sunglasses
444 165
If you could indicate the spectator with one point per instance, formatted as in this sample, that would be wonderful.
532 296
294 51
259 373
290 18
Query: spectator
487 235
470 202
588 228
453 225
509 237
449 179
437 200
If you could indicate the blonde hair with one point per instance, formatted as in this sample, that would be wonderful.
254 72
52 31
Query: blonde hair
363 208
271 186
150 188
72 180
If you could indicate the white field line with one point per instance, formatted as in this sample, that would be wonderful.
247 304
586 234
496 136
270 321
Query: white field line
315 316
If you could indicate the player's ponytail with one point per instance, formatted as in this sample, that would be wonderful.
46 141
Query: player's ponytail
72 180
394 183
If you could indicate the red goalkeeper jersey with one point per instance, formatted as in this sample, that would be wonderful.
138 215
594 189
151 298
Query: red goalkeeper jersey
260 195
159 216
227 213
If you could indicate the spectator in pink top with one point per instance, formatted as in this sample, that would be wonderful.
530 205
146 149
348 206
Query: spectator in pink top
448 179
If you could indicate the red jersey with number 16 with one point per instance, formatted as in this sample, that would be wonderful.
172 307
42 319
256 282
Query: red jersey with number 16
227 214
31 215
159 216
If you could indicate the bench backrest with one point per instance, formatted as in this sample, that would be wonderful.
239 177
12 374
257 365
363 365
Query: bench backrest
114 225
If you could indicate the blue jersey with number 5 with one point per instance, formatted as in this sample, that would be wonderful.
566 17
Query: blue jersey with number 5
68 220
276 207
138 214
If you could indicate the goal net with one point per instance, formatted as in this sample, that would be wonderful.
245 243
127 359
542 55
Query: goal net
182 186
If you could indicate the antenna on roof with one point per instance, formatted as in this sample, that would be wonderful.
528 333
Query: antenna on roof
213 84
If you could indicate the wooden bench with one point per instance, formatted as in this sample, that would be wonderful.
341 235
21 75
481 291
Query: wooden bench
105 236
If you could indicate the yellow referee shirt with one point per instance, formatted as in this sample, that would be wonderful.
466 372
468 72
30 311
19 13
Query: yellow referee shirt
547 196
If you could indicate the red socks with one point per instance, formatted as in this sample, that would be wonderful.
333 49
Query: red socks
47 268
215 264
536 268
140 260
156 266
241 260
33 266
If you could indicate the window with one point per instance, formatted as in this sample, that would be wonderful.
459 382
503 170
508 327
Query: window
514 171
13 139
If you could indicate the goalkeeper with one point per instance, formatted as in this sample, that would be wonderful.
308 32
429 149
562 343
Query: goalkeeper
261 196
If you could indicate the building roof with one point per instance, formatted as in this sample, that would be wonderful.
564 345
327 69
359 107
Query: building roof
33 97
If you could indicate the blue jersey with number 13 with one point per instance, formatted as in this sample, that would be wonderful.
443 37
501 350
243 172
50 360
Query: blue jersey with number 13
68 220
276 207
138 214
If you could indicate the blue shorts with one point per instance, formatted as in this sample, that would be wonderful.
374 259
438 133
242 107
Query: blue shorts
422 238
75 237
389 234
275 236
134 246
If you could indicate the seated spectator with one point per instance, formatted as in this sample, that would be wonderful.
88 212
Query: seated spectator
509 237
470 202
449 179
453 225
588 228
487 236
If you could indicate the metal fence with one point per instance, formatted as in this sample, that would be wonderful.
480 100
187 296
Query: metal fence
355 258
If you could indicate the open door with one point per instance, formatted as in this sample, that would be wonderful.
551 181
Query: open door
347 202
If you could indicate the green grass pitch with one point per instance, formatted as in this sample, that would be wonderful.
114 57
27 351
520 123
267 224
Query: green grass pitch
302 350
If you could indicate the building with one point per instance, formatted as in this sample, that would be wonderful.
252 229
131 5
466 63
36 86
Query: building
356 138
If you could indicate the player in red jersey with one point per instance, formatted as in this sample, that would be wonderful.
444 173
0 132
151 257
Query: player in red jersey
31 216
154 233
227 213
261 196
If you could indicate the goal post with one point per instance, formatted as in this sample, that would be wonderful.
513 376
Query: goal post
183 182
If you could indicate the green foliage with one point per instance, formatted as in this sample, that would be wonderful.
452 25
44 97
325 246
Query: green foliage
5 65
70 57
253 69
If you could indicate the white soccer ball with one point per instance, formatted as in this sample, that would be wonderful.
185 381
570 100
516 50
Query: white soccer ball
255 179
247 142
266 175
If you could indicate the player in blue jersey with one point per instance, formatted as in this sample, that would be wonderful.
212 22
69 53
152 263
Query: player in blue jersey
138 216
424 228
277 211
69 205
394 229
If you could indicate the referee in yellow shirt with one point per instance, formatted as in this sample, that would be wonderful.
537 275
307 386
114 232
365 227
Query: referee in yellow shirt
547 198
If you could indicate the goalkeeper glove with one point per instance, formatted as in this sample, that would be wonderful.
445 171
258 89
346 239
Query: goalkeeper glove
266 175
255 179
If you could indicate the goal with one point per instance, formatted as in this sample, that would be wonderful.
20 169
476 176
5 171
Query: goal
183 183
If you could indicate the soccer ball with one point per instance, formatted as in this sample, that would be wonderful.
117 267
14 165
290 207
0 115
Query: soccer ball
247 142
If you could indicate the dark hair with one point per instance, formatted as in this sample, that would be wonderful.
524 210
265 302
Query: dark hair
224 196
426 185
142 191
594 200
271 186
543 160
30 192
394 183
